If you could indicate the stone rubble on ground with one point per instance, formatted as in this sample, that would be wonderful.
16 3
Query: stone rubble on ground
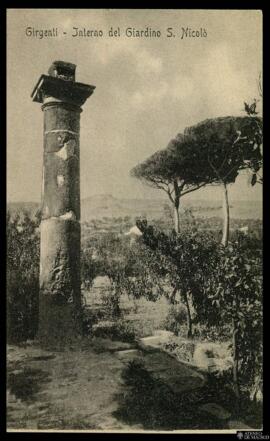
104 324
213 357
128 355
157 340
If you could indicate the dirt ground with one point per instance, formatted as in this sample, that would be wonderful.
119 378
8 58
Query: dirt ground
99 387
109 384
62 390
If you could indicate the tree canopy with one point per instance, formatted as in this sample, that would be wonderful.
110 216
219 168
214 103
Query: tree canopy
178 161
213 151
175 170
227 145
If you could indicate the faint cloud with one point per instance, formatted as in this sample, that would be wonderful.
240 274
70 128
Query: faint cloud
147 63
150 96
181 87
105 51
225 86
137 99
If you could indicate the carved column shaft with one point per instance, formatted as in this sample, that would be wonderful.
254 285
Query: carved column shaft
60 296
60 225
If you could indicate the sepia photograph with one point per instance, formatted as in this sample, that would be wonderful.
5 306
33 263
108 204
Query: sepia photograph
134 221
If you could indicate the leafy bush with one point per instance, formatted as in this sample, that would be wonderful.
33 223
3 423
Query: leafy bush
204 332
224 287
89 268
185 260
118 330
182 349
22 277
176 319
111 301
128 266
234 297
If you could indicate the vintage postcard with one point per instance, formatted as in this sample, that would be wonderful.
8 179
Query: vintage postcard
134 221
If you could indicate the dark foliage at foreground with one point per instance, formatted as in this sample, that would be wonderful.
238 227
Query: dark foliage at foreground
154 405
22 277
223 285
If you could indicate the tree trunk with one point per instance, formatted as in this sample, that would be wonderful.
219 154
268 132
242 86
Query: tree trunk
235 360
226 219
189 320
176 214
177 194
116 310
114 298
172 298
176 219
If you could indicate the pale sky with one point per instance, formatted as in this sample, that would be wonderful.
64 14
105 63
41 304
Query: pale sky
147 89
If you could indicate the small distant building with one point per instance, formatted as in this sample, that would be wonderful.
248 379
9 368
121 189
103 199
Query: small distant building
134 233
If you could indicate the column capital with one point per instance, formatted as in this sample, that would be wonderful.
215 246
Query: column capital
60 84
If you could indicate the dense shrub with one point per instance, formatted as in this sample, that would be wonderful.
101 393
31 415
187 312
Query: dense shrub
118 330
22 277
238 300
185 259
176 319
90 268
129 266
224 287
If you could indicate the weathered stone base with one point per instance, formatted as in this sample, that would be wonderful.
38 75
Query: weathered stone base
60 297
59 325
60 259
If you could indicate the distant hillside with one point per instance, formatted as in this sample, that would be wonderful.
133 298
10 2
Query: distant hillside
105 205
108 206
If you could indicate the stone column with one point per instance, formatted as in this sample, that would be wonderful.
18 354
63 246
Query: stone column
60 294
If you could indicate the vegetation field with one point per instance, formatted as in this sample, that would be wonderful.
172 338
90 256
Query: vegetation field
114 378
